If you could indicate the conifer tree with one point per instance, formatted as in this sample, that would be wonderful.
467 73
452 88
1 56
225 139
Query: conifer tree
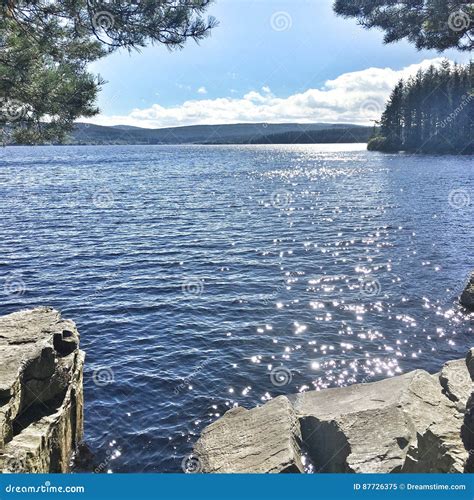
46 45
430 113
429 24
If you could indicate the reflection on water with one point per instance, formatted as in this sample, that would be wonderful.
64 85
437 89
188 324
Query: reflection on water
205 277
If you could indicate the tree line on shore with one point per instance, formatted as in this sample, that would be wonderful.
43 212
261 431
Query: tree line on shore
432 112
330 135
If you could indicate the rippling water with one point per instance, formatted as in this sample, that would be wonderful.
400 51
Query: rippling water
202 277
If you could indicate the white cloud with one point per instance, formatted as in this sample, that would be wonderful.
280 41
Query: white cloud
356 97
202 90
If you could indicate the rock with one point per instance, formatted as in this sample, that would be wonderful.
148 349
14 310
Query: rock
41 394
264 439
467 431
409 423
439 449
373 427
456 382
467 296
470 363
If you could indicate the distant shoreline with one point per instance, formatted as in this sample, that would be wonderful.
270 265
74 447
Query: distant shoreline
411 153
253 133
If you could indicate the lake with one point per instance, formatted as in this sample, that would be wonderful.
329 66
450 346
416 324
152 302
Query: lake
201 277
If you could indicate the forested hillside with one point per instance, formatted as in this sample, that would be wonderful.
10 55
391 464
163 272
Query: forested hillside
241 133
336 134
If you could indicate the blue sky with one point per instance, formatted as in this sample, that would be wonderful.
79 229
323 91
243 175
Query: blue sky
268 60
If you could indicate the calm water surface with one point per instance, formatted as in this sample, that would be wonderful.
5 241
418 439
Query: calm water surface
202 277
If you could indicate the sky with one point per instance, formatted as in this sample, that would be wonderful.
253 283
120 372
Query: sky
271 61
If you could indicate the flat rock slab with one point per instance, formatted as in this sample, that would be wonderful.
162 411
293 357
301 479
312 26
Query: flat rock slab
265 439
41 394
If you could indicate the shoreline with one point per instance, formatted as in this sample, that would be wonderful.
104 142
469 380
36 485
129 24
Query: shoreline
415 422
415 153
411 423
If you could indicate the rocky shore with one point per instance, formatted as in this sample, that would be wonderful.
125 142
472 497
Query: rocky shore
41 398
416 422
409 423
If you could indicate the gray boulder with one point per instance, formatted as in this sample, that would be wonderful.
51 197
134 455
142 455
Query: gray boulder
470 362
468 426
456 382
409 423
467 296
41 394
381 426
264 439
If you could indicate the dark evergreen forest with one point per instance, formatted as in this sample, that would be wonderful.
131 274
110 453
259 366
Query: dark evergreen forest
432 112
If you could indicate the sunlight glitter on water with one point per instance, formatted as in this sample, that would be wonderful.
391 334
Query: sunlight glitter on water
243 274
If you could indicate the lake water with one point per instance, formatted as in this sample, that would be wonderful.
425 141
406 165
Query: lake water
205 276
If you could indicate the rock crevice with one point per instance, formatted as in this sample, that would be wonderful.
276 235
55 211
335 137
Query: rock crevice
41 391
